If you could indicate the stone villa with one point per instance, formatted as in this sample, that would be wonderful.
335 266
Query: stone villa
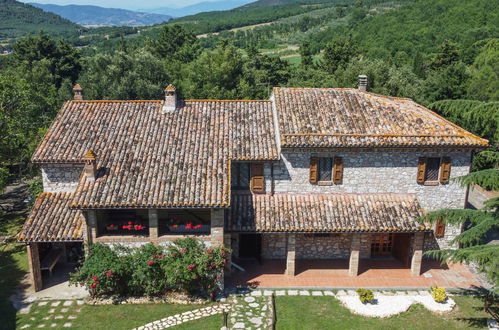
311 173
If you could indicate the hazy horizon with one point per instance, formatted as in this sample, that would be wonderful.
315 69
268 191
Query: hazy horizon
124 4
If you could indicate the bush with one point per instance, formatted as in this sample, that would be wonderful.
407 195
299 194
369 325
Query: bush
147 276
365 295
439 294
193 269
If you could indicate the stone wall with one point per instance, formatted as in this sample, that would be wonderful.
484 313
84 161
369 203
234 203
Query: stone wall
61 177
274 246
376 172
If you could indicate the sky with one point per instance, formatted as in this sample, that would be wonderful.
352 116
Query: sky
125 4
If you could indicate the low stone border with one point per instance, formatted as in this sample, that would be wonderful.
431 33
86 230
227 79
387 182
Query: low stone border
177 319
173 299
393 304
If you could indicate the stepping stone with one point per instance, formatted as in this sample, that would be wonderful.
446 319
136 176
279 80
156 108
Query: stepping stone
351 293
280 293
253 305
64 310
55 303
239 325
52 310
71 317
43 303
293 292
249 299
329 293
80 302
45 318
316 293
41 325
341 293
424 293
256 293
58 317
25 326
304 293
67 325
53 325
256 320
32 318
68 303
78 310
267 293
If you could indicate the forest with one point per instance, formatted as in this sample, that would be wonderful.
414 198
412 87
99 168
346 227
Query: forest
443 54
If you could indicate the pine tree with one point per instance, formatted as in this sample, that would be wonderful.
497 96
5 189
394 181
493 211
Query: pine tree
478 224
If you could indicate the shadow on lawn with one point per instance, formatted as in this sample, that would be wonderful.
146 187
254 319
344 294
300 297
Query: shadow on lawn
490 305
11 276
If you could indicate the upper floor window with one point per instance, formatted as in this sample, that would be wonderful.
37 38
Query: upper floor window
326 170
240 176
432 170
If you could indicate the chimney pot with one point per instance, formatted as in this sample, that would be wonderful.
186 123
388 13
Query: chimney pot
363 82
78 92
90 168
170 104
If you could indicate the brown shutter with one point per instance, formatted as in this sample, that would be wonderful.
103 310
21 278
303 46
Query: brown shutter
421 169
257 178
445 170
439 229
338 170
314 170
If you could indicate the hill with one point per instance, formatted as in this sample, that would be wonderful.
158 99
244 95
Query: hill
94 16
17 19
198 8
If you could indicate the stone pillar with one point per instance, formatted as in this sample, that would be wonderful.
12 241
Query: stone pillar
217 227
291 255
353 268
153 225
417 255
227 244
34 266
92 225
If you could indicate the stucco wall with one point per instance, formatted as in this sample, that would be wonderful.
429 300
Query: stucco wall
61 177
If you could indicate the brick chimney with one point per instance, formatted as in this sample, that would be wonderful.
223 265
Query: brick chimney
170 99
78 92
90 168
363 82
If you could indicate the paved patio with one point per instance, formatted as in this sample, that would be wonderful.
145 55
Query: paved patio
386 273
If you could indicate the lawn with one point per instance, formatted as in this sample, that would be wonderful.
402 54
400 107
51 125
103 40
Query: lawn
327 313
110 316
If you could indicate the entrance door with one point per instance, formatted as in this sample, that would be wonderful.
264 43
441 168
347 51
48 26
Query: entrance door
250 246
401 244
381 245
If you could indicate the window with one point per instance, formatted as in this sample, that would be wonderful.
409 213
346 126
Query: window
123 222
432 169
240 176
325 169
381 244
184 222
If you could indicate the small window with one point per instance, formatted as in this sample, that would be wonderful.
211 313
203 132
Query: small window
325 169
240 176
432 169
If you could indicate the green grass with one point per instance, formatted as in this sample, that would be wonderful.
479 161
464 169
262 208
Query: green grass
112 316
327 313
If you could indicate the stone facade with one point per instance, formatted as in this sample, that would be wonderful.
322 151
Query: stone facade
61 177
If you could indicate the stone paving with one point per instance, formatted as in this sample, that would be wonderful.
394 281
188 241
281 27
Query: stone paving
177 319
60 314
251 311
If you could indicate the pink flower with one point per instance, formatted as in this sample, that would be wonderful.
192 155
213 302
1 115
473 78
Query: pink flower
95 278
151 263
161 256
174 254
109 273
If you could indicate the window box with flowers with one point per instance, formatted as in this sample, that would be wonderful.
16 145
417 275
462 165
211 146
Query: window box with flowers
123 223
184 222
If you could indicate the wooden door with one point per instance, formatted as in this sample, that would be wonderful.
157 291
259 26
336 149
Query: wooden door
381 244
250 246
401 247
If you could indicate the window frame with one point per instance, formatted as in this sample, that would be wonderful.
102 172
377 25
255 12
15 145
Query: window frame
237 169
436 181
331 170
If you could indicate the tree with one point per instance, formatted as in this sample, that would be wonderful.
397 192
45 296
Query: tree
174 43
478 223
484 81
306 54
337 53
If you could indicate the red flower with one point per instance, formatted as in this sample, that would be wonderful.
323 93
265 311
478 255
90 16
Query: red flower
209 251
151 263
191 267
188 225
174 254
93 285
197 226
161 256
109 273
95 278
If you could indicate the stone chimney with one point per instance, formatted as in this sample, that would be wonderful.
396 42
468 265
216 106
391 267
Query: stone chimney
78 92
363 82
170 99
90 168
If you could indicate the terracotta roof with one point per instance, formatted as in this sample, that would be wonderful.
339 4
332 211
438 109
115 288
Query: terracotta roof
150 159
324 213
52 220
340 117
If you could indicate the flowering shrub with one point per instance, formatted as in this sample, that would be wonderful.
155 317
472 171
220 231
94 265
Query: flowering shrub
186 266
192 268
103 272
439 294
365 295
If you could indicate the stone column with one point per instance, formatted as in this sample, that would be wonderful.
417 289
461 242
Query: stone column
217 227
353 268
92 225
291 255
227 244
34 266
417 255
153 225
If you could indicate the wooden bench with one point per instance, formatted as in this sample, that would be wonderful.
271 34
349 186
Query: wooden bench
50 260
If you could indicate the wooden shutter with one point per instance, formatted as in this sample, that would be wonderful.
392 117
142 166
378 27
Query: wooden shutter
338 170
421 169
445 170
257 178
439 229
314 169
